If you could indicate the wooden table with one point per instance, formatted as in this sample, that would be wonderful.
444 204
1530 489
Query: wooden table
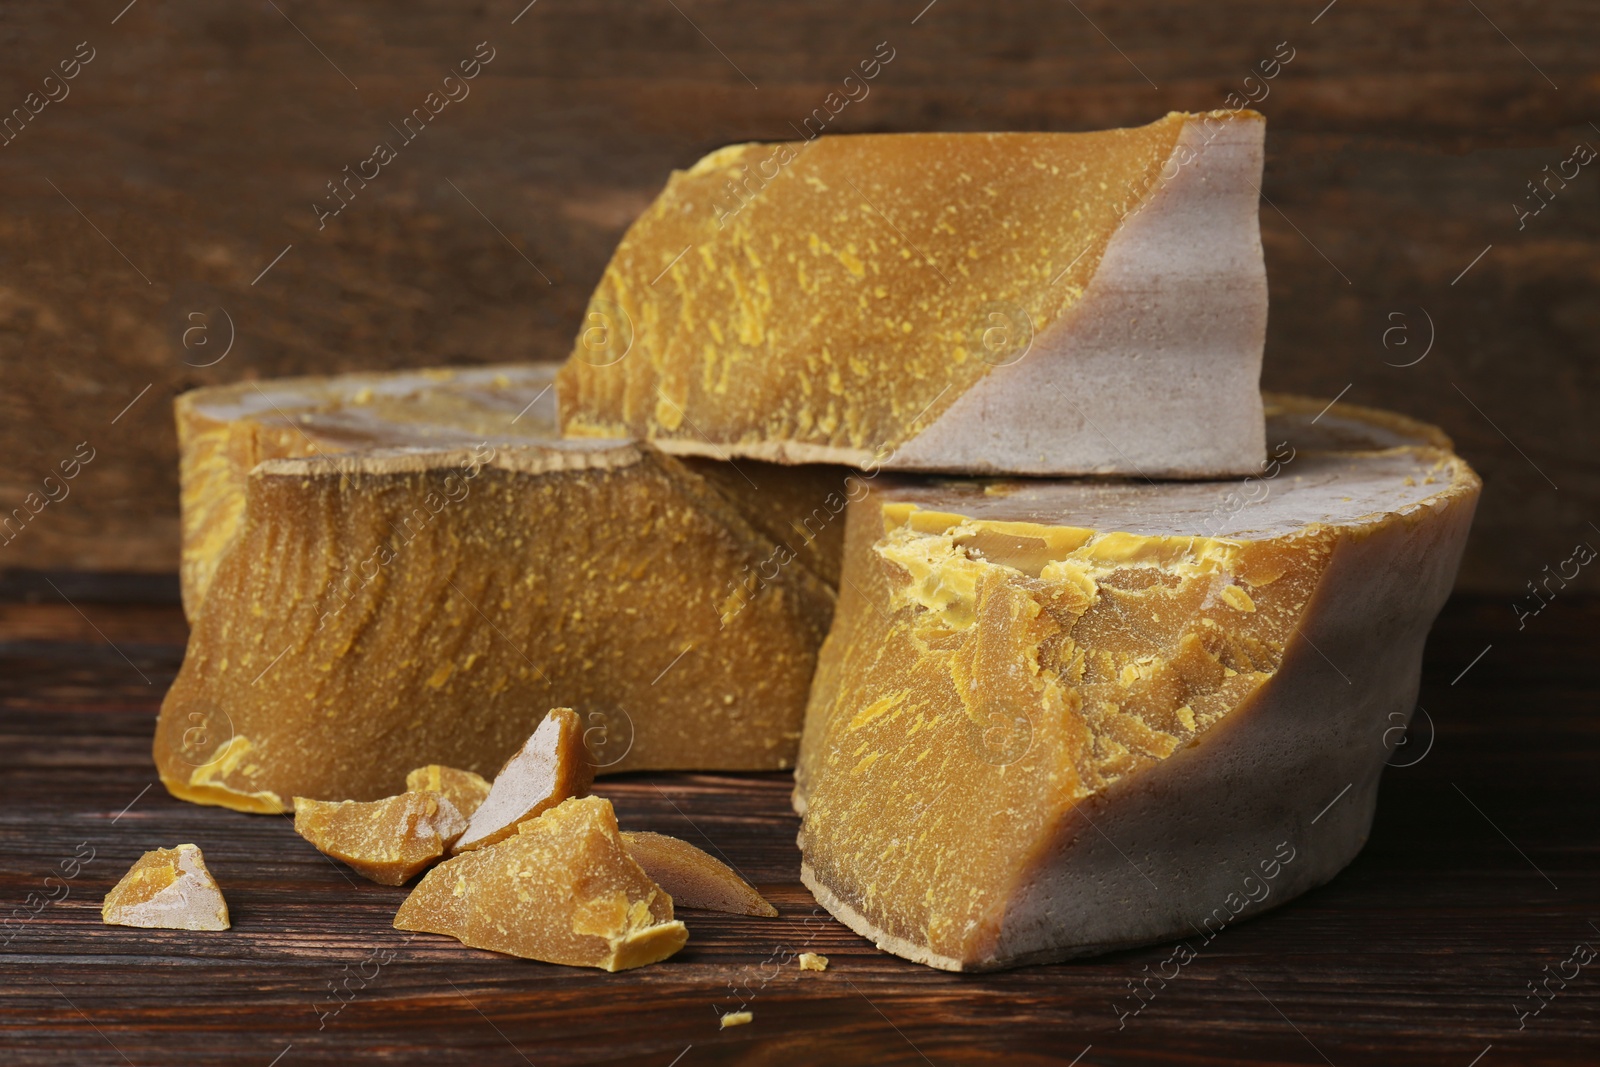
1483 869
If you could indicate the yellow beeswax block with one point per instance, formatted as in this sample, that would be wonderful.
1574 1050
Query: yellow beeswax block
367 612
562 889
1058 717
388 840
694 878
1026 303
167 889
549 768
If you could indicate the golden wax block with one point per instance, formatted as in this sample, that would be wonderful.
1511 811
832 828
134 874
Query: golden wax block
1055 718
388 840
551 767
167 889
358 614
1022 303
562 889
694 878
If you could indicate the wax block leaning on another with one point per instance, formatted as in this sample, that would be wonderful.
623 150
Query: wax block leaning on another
562 889
383 610
1055 718
694 878
550 767
225 431
167 889
388 840
1010 303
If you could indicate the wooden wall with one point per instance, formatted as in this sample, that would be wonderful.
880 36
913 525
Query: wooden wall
188 152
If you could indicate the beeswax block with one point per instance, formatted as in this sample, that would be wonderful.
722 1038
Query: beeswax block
1023 303
167 889
1054 718
562 889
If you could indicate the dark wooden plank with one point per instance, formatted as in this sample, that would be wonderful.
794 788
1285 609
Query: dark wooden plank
1483 868
199 136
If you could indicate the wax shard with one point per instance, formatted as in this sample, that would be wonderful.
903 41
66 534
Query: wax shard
377 610
811 961
549 768
386 840
225 431
462 788
562 889
1054 718
167 889
1031 303
694 878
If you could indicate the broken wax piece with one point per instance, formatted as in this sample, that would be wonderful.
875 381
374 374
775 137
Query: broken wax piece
550 767
694 878
388 840
562 889
736 1018
167 889
1055 718
225 431
462 788
1027 303
811 961
380 610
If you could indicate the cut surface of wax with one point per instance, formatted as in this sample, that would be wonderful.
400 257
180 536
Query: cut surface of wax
224 431
1023 303
549 768
388 840
694 878
167 889
562 889
1055 718
462 788
374 611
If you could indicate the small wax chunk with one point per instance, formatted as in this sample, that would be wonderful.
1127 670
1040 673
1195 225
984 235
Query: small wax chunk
561 889
386 840
811 961
695 879
462 788
167 889
736 1018
551 766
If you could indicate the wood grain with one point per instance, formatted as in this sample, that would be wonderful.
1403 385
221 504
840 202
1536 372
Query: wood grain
191 148
1483 868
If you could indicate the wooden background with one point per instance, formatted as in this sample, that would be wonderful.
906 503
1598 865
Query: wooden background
190 150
